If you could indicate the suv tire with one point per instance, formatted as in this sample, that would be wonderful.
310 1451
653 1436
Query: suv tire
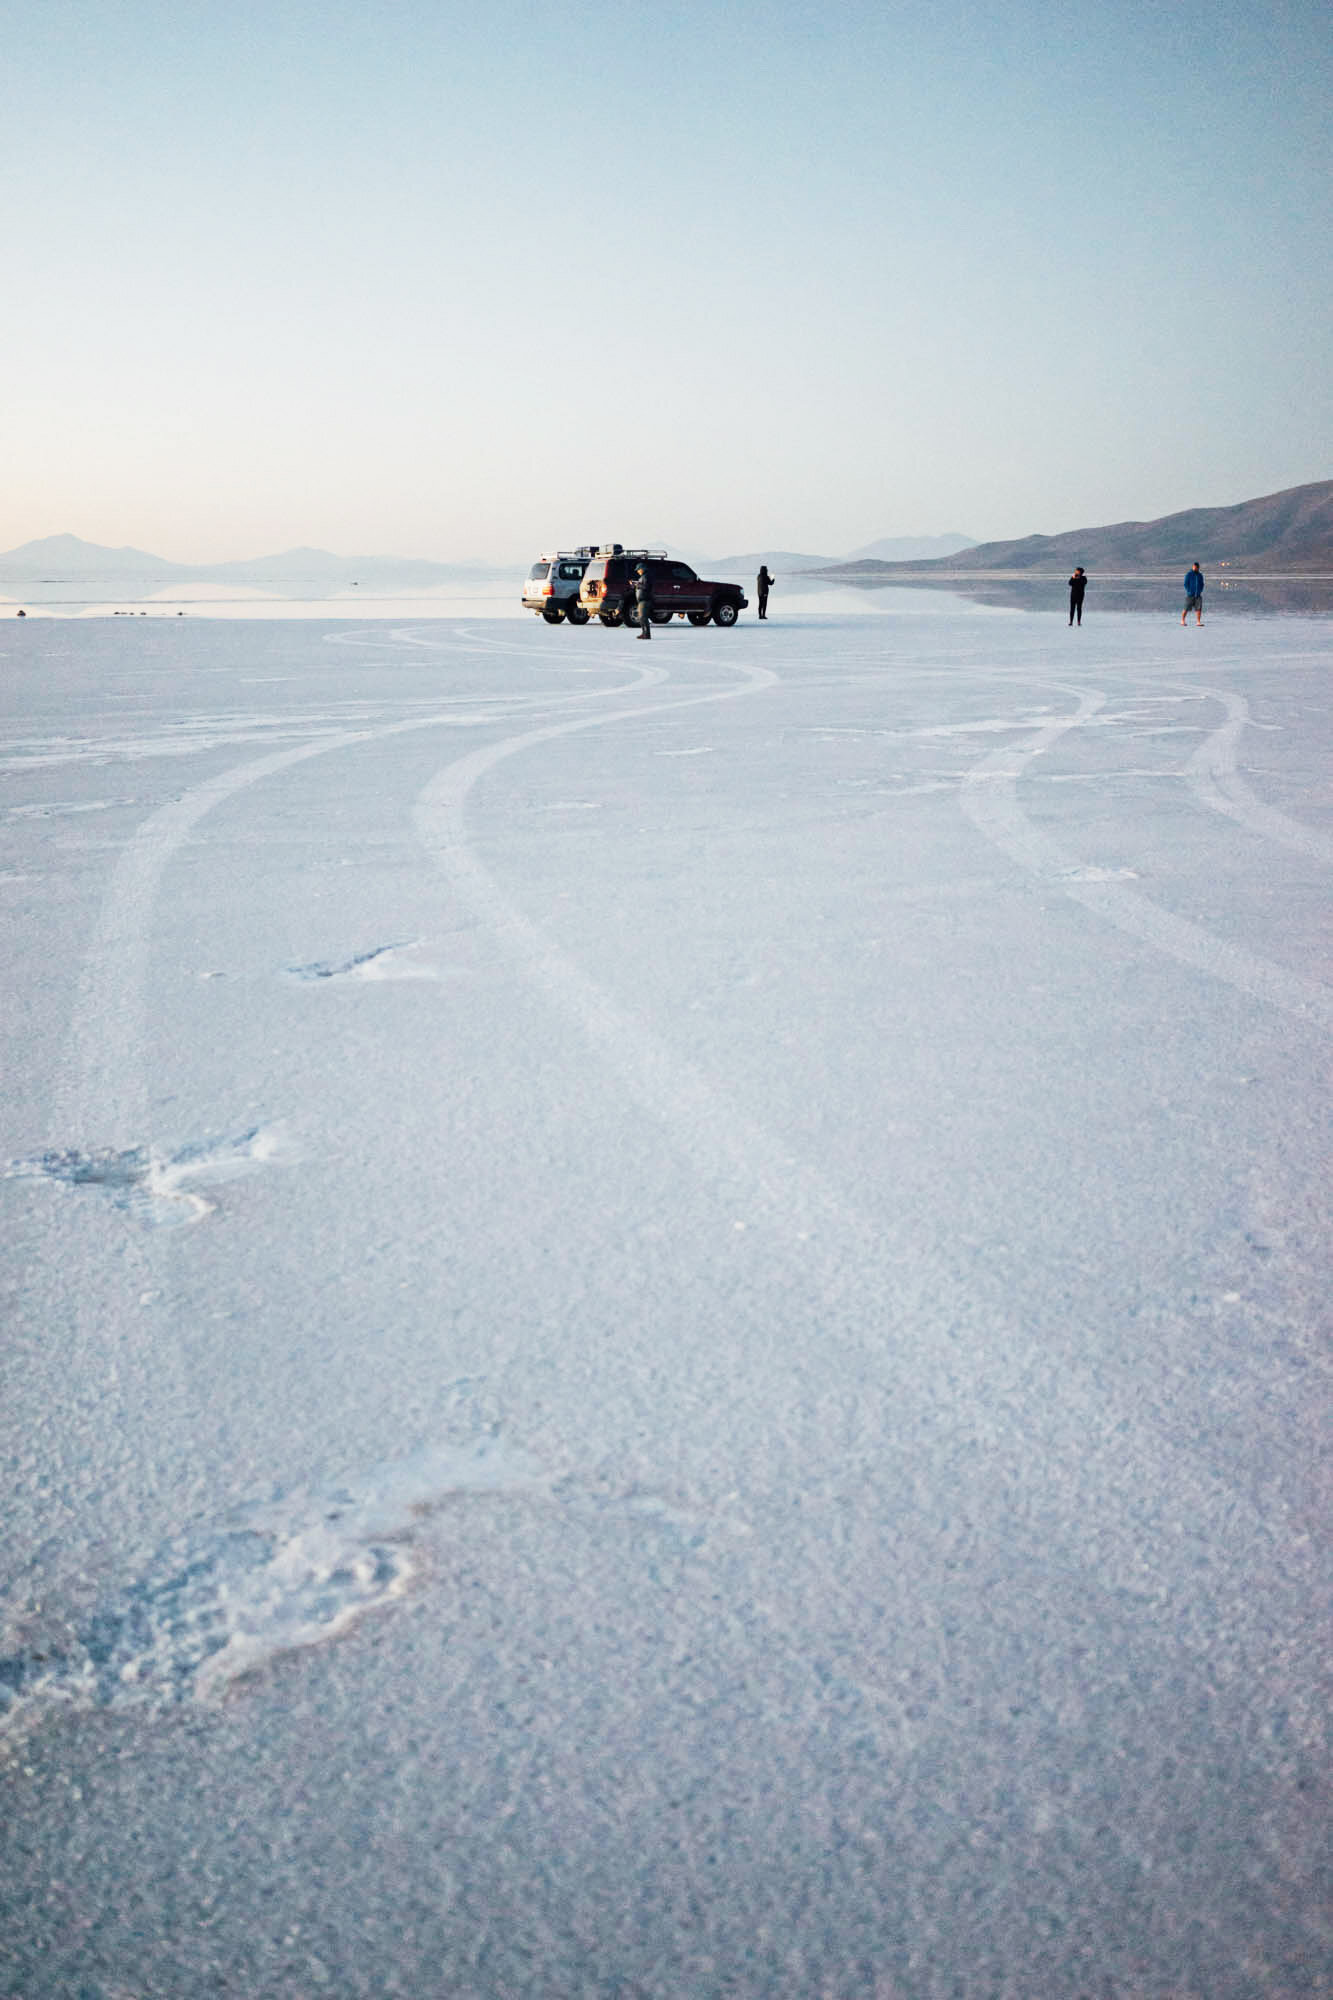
553 615
699 617
576 613
725 612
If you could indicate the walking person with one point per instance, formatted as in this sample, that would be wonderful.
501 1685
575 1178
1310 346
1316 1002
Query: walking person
643 600
1193 594
1078 584
763 583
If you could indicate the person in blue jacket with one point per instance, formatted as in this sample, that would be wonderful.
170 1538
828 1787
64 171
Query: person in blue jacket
1193 594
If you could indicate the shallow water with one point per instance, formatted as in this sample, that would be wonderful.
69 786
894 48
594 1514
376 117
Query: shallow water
1304 597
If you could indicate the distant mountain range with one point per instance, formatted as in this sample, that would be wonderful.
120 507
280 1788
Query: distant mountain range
892 548
912 548
62 569
781 561
1281 534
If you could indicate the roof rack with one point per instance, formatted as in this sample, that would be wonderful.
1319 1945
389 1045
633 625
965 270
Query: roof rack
615 549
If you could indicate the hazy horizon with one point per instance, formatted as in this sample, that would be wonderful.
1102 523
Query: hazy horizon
461 283
49 545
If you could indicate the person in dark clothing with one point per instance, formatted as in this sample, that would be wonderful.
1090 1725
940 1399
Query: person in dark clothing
1193 594
1078 584
643 601
763 583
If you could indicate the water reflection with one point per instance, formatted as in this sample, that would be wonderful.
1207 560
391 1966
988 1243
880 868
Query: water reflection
1301 597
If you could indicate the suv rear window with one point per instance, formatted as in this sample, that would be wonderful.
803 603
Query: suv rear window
595 571
538 571
571 572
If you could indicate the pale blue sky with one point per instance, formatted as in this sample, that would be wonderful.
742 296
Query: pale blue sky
459 281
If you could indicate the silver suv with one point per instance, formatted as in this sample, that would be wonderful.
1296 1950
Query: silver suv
552 586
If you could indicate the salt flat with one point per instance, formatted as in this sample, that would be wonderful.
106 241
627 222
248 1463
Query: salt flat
667 1306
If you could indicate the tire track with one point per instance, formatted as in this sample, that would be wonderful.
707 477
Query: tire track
1215 781
989 797
1048 1427
127 1383
100 1096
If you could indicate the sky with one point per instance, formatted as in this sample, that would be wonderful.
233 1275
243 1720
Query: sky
467 282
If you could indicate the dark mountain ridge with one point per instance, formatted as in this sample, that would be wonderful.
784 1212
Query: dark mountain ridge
1279 534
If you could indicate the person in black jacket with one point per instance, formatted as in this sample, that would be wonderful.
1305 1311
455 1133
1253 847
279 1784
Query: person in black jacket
763 583
1078 584
643 600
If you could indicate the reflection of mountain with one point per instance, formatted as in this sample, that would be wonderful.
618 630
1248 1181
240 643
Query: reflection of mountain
1156 595
1279 534
61 569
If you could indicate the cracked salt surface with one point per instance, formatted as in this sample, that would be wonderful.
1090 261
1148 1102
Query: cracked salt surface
220 1604
382 962
60 808
273 1578
156 1188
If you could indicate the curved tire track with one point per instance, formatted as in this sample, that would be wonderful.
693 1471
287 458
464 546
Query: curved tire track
1215 780
1047 1424
989 797
100 1098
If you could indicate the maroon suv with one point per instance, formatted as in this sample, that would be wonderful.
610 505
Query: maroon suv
607 589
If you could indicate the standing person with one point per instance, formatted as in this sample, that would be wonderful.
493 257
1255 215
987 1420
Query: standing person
1078 584
643 600
763 583
1193 594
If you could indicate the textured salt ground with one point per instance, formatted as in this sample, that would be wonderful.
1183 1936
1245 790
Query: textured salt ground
742 1404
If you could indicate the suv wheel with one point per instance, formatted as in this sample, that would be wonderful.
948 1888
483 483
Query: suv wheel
725 612
662 617
698 617
576 613
552 614
612 615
